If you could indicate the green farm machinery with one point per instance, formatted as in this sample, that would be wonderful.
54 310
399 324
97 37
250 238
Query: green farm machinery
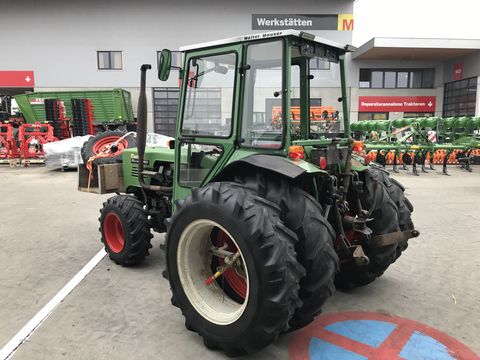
111 108
261 221
415 141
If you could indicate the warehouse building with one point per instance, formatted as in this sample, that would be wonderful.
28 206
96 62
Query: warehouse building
397 77
98 45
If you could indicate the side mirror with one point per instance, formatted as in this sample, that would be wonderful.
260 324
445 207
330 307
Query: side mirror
164 64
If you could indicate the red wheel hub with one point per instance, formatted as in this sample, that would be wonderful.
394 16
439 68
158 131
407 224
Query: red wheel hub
231 275
113 232
102 144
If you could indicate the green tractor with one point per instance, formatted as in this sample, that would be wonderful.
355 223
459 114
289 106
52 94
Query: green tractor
263 217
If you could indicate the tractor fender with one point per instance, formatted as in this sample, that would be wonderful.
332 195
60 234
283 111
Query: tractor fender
276 164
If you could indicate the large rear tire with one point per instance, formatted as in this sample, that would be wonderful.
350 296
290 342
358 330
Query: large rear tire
125 230
385 216
302 214
404 206
95 144
267 264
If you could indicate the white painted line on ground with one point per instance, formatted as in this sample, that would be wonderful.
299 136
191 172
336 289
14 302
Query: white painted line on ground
43 314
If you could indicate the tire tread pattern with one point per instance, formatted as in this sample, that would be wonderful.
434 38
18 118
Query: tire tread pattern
391 212
135 225
273 249
302 214
87 148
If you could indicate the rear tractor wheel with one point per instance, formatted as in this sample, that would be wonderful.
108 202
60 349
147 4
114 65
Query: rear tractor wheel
391 212
302 214
125 230
232 268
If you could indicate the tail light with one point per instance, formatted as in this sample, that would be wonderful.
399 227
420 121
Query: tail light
296 152
323 163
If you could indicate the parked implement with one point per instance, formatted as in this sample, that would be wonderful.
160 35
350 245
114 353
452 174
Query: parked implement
262 215
112 108
414 141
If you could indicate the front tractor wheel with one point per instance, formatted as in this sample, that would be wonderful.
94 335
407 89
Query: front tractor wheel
125 230
232 268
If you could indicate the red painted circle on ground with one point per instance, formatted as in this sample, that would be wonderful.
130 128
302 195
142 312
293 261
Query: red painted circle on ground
390 348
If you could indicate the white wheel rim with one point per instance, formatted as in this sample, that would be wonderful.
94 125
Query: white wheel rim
194 267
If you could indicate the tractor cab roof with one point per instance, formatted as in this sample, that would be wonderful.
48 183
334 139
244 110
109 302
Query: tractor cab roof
273 34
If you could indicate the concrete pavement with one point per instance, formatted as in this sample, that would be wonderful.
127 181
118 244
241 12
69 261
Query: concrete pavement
48 231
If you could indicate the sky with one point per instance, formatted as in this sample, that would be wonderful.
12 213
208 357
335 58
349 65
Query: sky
416 18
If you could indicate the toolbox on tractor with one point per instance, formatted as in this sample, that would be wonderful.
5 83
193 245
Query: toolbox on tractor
105 179
264 214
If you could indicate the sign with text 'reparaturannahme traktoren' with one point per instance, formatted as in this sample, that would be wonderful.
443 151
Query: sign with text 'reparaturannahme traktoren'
397 103
342 22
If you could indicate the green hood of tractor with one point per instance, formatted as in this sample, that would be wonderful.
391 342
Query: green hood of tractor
152 155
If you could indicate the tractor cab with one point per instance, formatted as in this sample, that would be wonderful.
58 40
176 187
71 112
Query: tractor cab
280 93
253 81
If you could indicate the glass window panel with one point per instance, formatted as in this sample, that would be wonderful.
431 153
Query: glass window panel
164 120
319 64
428 78
380 116
462 100
209 96
116 59
372 116
103 60
417 115
416 79
377 79
365 75
390 79
263 96
364 116
196 161
108 60
402 79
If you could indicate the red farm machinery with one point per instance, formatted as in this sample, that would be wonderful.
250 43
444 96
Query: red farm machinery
51 116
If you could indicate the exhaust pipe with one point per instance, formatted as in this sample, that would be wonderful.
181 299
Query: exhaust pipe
142 132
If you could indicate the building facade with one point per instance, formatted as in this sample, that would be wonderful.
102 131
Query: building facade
101 45
398 77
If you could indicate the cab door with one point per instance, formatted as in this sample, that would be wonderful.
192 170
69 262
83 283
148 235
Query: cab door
207 116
